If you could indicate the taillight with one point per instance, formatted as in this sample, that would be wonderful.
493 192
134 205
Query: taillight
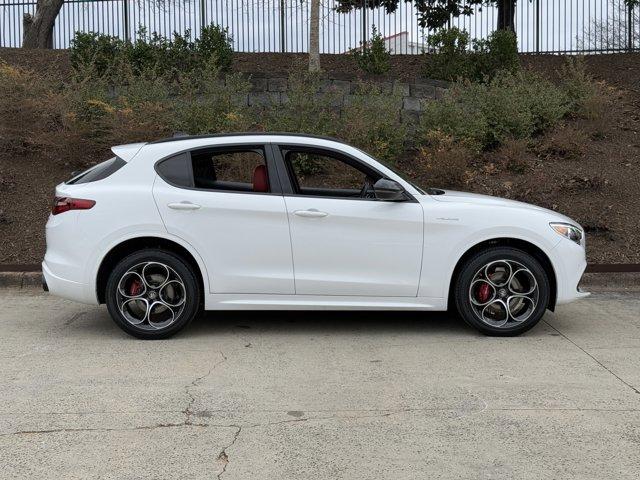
64 204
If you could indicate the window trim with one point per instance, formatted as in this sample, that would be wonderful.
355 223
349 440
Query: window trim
274 180
288 185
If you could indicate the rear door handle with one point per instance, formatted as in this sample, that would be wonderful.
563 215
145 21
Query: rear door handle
311 213
183 206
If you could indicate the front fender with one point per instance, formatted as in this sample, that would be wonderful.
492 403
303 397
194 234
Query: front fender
445 245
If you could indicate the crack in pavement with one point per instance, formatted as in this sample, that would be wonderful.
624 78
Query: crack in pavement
105 429
223 456
74 317
593 358
188 413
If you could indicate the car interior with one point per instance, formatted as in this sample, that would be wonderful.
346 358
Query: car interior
325 174
242 170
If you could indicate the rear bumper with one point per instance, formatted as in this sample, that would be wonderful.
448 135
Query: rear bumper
62 287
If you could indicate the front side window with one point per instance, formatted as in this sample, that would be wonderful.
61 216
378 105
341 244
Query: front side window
328 174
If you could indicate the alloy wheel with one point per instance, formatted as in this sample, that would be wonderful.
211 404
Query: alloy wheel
504 293
151 295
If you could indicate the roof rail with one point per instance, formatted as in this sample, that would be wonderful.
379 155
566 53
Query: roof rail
181 136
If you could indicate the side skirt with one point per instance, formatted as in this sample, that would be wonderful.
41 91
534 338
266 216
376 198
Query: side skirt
320 302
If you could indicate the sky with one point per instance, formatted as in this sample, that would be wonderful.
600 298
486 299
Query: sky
255 25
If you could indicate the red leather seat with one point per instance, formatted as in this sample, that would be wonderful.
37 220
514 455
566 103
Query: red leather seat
260 179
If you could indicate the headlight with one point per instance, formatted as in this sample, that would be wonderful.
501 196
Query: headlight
569 231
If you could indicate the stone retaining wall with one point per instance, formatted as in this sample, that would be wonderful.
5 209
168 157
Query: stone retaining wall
274 91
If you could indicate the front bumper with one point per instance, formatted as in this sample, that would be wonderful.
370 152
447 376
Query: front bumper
570 262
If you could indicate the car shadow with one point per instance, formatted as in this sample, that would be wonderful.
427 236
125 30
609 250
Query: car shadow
327 322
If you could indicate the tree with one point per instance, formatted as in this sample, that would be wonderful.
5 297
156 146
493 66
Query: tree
38 28
314 37
619 31
434 14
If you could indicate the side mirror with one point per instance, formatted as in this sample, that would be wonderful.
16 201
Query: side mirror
389 190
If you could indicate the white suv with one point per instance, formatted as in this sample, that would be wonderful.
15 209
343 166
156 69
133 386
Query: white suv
284 221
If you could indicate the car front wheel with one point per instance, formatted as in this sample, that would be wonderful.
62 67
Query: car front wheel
502 291
152 294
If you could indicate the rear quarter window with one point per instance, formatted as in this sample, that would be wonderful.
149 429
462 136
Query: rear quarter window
176 170
99 172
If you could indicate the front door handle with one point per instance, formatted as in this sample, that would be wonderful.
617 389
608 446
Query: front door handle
183 206
311 213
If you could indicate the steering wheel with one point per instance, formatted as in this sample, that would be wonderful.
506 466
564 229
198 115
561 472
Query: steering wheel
367 189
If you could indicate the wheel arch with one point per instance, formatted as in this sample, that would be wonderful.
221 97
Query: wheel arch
131 245
520 244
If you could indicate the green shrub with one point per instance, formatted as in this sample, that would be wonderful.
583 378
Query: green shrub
216 43
441 162
213 104
155 53
308 108
546 101
371 121
146 105
96 55
455 117
577 84
499 52
374 56
450 59
485 115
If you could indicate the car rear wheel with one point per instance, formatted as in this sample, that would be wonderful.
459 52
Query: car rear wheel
152 294
502 291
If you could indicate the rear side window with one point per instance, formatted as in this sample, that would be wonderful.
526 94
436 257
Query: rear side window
227 170
99 172
234 170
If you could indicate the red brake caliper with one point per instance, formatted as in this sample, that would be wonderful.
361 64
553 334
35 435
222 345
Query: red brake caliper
135 288
483 293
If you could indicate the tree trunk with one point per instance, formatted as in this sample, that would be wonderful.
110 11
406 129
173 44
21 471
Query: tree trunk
314 37
38 28
506 15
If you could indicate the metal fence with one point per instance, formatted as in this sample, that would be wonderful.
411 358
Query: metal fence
544 26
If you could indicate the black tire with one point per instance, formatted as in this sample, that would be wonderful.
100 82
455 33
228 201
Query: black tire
178 272
473 314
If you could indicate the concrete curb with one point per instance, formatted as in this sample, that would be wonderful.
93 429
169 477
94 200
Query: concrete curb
594 282
611 282
20 279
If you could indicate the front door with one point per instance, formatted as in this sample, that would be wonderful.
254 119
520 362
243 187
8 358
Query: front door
344 241
225 203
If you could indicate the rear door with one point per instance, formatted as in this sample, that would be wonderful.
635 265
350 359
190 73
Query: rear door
344 240
227 203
